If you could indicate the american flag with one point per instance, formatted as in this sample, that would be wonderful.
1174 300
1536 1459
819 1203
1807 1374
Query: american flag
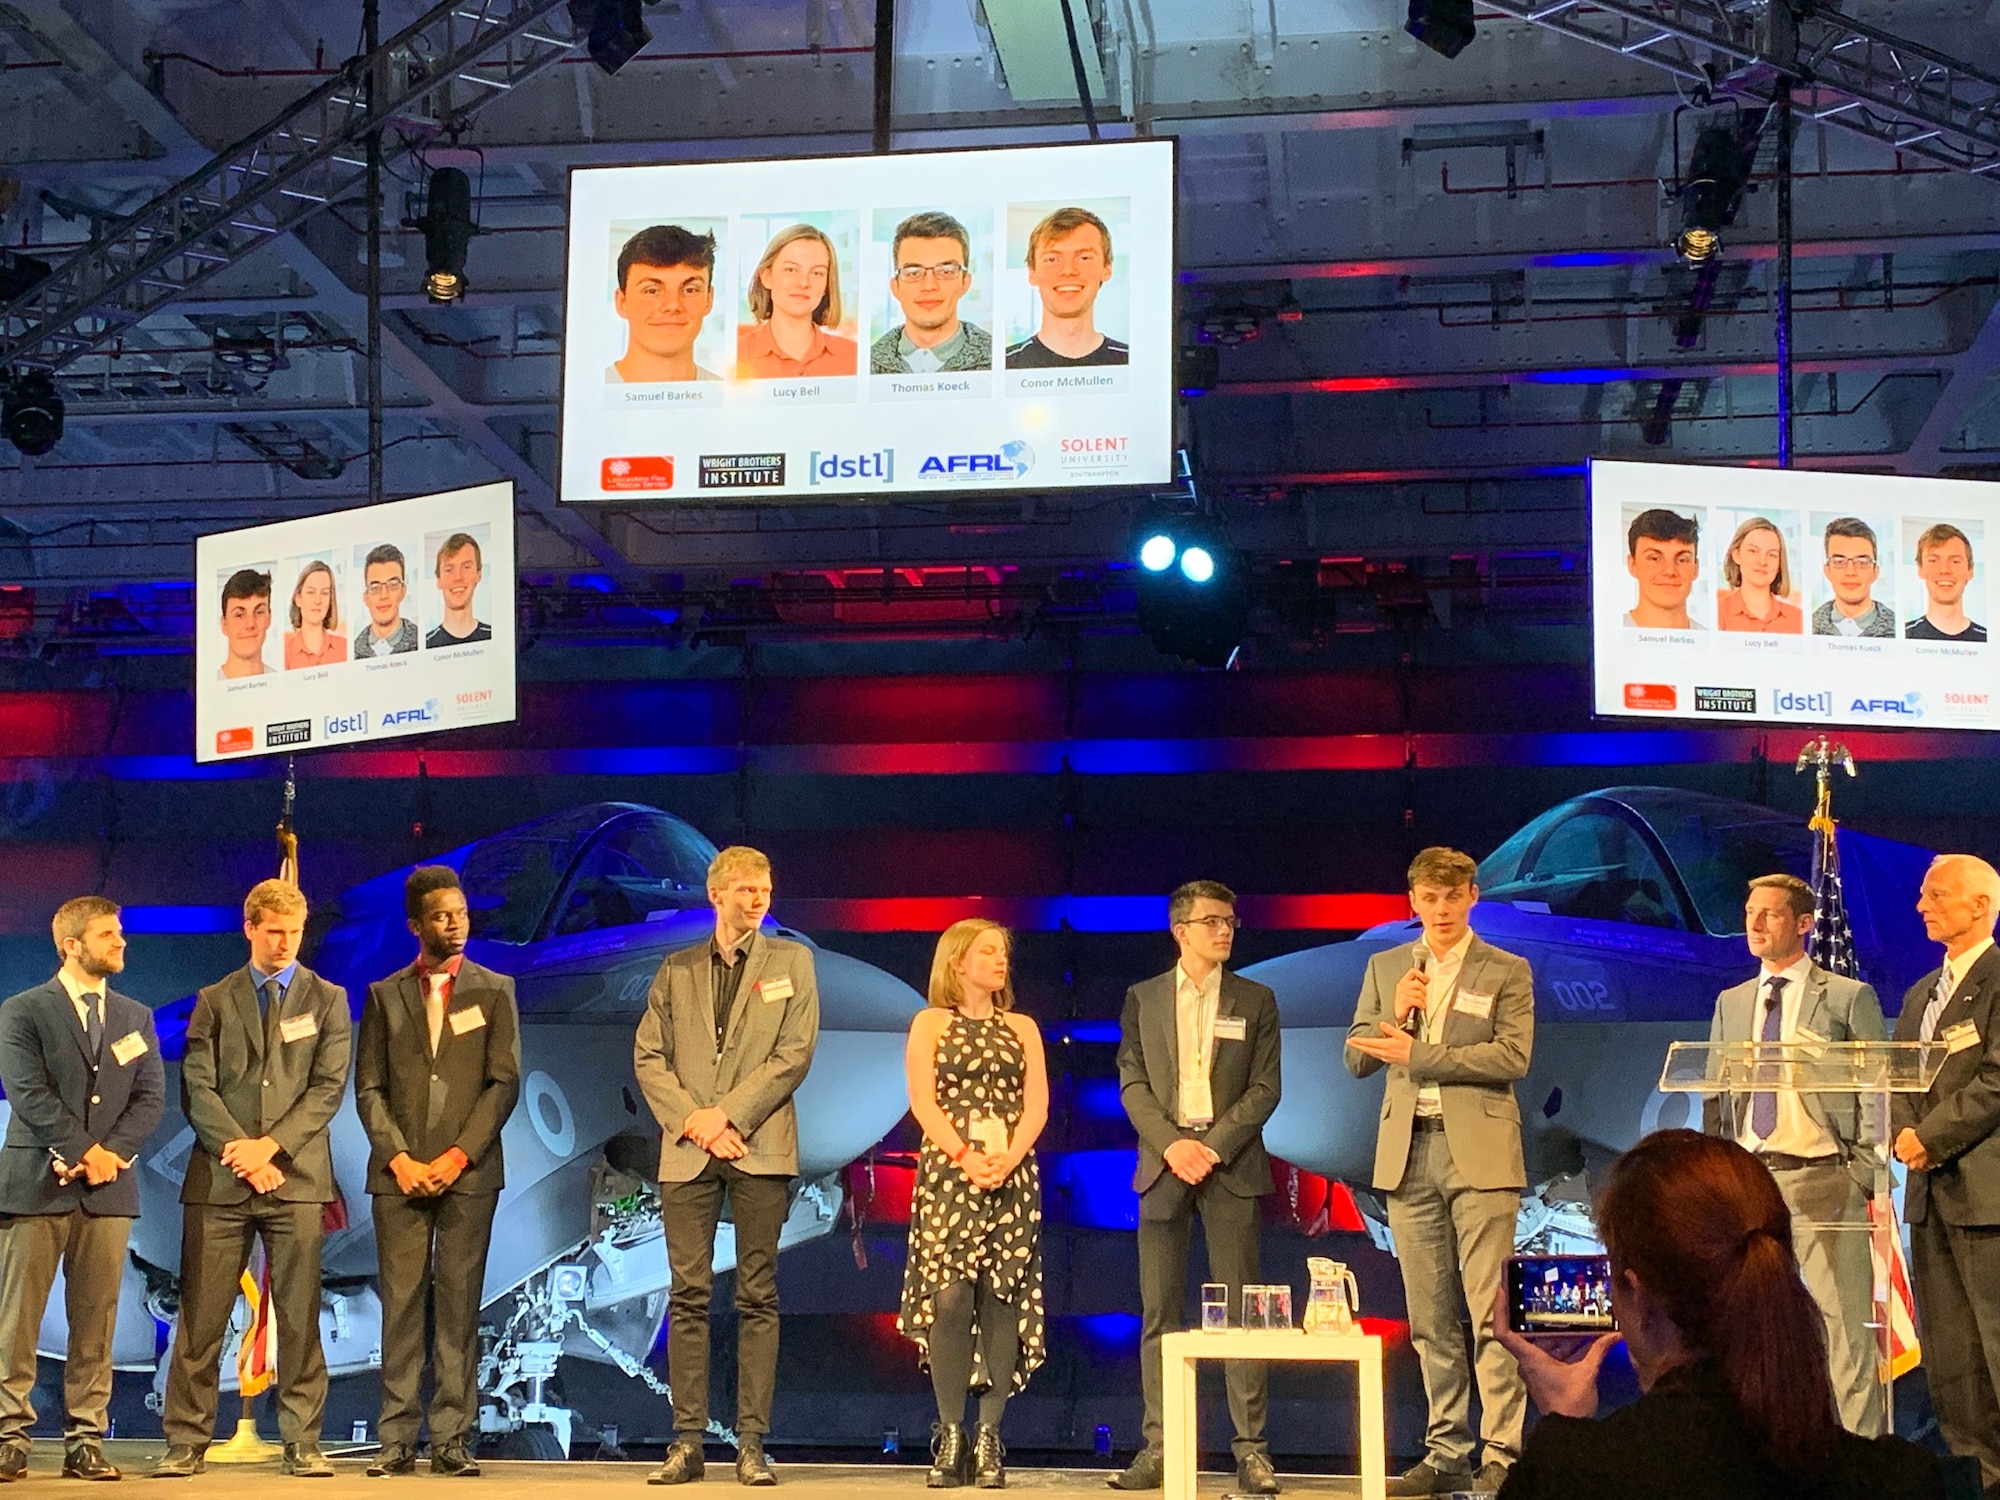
1832 938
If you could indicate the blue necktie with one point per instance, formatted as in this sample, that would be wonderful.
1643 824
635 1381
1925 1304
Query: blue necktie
93 1021
1940 998
1764 1103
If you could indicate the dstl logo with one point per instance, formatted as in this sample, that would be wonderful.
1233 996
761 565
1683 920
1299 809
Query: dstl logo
354 723
832 468
1908 708
1012 461
428 714
1787 701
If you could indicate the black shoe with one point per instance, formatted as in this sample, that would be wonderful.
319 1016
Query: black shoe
87 1461
1427 1478
683 1463
949 1457
1492 1474
752 1468
393 1462
13 1462
180 1461
1147 1472
453 1461
989 1458
305 1461
1255 1476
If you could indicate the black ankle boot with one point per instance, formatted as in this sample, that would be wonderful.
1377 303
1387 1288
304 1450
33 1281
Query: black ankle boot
949 1455
989 1458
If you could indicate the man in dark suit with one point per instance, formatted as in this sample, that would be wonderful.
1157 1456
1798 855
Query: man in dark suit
81 1067
728 1034
265 1069
436 1074
1453 1020
1947 1139
1198 1074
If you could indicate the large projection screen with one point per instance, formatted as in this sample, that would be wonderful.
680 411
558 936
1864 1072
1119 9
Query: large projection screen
1784 596
870 325
414 604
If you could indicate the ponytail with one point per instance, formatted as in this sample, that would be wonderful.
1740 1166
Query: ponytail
1769 1338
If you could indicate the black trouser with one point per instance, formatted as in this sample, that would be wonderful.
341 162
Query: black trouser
432 1255
689 1212
215 1249
1957 1275
1231 1225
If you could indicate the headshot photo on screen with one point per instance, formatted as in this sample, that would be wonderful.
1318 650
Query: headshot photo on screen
458 560
385 587
1943 553
314 637
245 621
1663 555
1758 591
1077 310
936 266
1856 591
798 321
664 290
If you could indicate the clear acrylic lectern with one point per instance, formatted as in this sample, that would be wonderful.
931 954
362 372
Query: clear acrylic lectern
1857 1076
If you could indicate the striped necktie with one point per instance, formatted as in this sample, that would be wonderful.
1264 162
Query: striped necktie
1940 997
1764 1103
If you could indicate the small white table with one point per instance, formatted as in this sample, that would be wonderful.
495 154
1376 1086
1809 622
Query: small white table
1180 1352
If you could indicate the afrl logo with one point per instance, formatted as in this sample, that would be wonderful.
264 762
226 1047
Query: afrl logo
1909 708
401 717
1011 462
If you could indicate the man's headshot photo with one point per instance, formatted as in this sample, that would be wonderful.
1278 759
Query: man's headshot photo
794 302
1944 567
460 566
1069 262
930 273
384 583
246 621
666 290
1853 570
1663 555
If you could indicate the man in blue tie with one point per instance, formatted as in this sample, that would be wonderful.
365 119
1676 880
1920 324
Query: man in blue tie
81 1066
1949 1139
1809 1140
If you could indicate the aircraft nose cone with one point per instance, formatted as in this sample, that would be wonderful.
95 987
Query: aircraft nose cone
855 1093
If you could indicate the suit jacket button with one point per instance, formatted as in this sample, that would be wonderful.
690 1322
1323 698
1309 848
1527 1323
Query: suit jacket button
267 1083
94 1099
434 1078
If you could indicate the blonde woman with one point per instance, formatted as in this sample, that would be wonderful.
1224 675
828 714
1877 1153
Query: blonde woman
1759 577
314 639
972 1289
795 298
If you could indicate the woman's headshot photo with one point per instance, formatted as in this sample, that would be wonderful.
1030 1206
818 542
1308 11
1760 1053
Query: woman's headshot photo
795 304
313 638
1759 593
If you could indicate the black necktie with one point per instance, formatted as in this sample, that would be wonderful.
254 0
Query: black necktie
267 1002
1764 1103
93 1020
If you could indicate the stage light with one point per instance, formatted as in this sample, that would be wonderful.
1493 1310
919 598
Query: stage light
1156 553
1444 26
1199 609
1198 564
1712 192
614 30
448 229
32 413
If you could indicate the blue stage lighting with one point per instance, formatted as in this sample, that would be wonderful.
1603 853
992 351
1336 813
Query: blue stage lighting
1198 563
1156 553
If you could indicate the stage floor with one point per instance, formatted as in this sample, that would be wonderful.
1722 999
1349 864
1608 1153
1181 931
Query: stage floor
821 1481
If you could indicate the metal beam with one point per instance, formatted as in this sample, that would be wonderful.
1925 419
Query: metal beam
1969 373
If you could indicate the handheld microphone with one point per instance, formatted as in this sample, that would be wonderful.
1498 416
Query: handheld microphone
1413 1023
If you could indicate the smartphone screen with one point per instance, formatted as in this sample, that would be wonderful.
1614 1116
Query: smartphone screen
1559 1294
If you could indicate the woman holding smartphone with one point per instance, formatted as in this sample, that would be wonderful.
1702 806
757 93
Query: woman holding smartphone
972 1288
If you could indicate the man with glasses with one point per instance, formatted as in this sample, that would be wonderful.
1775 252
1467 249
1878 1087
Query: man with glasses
930 271
1198 1074
1452 1018
1852 568
383 585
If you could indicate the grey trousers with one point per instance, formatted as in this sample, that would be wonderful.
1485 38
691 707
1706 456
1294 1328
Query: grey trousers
1453 1242
90 1249
1957 1282
689 1213
1840 1274
432 1257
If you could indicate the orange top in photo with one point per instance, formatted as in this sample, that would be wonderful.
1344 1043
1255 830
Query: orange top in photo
1786 619
758 356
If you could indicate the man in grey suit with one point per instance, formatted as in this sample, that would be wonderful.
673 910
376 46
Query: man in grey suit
81 1066
264 1072
1947 1139
436 1072
1198 1072
1453 1020
727 1037
1808 1140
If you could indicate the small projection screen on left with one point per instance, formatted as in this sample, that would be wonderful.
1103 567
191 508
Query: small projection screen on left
354 627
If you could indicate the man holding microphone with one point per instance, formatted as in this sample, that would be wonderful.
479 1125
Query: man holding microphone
1453 1020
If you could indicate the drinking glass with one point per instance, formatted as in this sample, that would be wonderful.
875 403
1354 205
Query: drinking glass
1279 1308
1214 1306
1256 1307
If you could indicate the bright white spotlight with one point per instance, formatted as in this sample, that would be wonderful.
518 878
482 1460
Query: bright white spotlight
1156 554
1198 564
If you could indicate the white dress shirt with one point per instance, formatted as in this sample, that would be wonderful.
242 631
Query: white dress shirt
77 991
1442 974
1797 1133
1955 969
1195 1006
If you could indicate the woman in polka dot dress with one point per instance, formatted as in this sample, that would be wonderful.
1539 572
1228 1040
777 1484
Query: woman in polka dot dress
972 1290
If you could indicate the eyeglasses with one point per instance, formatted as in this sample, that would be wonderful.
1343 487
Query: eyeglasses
1216 925
1850 564
380 587
946 274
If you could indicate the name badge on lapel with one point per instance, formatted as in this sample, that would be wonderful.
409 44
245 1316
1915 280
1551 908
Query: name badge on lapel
774 989
1958 1038
1474 1004
298 1028
127 1047
1231 1028
470 1019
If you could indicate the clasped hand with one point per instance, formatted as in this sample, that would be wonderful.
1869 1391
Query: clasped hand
423 1179
97 1167
1190 1160
709 1128
250 1158
984 1171
1911 1152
